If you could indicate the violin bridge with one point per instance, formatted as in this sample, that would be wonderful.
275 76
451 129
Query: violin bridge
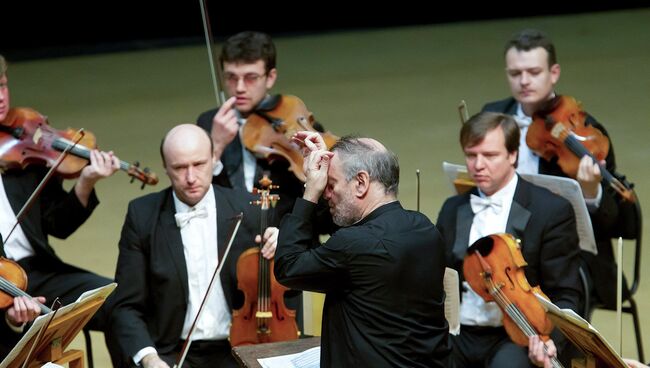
37 135
263 314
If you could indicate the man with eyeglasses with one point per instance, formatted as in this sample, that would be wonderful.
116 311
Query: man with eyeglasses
249 73
248 63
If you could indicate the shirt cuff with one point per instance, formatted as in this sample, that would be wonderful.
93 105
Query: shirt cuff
137 358
218 168
594 203
16 329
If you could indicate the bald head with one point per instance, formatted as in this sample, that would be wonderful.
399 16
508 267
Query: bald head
184 136
367 154
187 156
373 144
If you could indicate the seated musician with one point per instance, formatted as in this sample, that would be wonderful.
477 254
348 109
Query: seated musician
55 212
504 202
170 245
533 71
248 61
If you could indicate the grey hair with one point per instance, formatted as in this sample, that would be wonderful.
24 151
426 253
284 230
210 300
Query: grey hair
381 164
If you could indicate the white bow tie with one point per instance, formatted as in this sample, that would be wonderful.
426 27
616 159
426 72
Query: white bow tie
479 204
183 218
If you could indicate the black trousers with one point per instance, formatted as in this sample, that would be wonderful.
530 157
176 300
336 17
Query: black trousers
53 279
204 354
487 347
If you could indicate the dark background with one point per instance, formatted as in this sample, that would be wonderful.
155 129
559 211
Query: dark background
32 29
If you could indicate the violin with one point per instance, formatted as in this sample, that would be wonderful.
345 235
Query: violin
268 130
26 138
559 130
13 283
263 317
493 267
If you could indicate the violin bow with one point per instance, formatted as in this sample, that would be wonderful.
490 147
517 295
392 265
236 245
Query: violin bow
215 69
217 272
32 198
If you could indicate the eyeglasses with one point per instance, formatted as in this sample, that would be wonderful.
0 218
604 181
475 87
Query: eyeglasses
250 79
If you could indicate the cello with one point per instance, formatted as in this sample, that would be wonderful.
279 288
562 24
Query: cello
263 316
493 267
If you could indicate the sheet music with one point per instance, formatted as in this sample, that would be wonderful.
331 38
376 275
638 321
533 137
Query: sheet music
564 187
582 334
41 321
309 358
452 300
570 190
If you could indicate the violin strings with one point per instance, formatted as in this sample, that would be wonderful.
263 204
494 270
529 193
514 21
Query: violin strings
10 288
516 315
512 310
263 277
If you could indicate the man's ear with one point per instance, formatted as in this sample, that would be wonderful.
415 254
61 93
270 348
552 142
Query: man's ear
362 184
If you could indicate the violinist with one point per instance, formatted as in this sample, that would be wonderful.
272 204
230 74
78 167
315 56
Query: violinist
170 245
248 60
504 202
55 212
532 71
381 272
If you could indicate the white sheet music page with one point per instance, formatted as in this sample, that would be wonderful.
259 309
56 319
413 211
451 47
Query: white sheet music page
309 358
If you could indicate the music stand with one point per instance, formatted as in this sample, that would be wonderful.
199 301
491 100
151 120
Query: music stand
51 344
247 355
582 334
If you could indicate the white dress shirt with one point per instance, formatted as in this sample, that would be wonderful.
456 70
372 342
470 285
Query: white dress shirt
528 162
473 310
17 246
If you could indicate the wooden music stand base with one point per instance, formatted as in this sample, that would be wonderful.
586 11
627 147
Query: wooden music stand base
75 359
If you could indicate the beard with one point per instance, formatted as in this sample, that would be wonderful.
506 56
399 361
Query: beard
345 213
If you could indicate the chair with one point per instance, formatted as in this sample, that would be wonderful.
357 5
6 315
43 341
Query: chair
632 220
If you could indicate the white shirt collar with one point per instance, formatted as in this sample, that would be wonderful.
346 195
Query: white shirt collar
207 201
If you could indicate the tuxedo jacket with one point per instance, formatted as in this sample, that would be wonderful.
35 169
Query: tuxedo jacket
546 225
605 220
152 293
55 211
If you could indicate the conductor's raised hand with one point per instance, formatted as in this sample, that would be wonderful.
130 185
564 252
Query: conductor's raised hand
309 142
